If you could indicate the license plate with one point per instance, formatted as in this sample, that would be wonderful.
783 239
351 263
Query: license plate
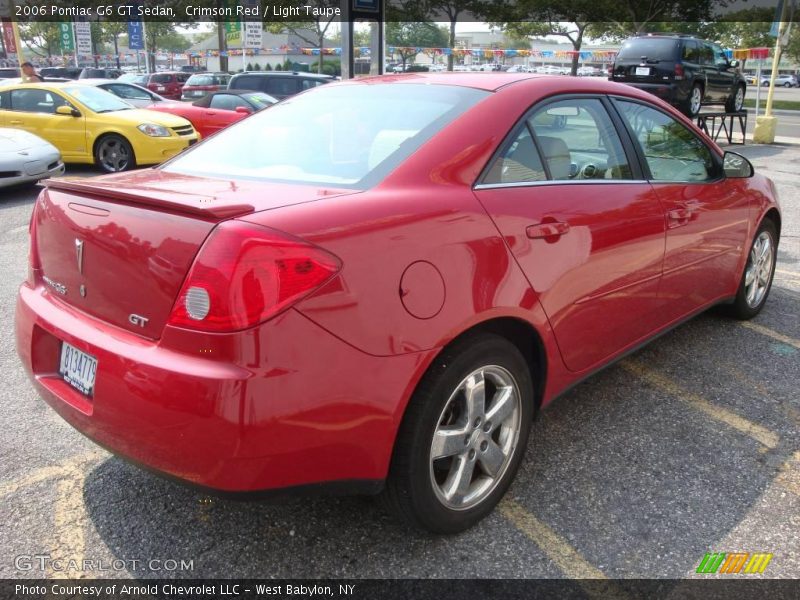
643 70
78 369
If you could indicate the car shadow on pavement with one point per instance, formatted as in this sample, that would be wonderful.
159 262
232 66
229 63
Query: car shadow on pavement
627 472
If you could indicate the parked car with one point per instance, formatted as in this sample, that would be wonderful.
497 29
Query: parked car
200 84
93 73
217 110
91 126
133 94
26 158
9 73
781 81
683 70
168 84
60 72
551 70
136 78
278 84
589 72
316 321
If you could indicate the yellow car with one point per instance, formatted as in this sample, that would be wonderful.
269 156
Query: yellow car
89 125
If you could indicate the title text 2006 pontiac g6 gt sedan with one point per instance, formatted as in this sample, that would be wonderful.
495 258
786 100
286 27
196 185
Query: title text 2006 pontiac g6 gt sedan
374 285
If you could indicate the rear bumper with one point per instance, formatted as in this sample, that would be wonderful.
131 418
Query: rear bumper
672 92
280 406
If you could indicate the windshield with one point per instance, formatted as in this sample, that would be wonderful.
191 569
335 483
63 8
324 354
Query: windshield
259 99
346 135
653 48
97 100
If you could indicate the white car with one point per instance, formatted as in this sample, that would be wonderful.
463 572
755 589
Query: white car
781 80
136 95
588 72
26 158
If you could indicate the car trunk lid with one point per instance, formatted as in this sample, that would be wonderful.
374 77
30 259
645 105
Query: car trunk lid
119 247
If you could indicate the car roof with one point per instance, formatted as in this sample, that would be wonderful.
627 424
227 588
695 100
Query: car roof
286 74
497 80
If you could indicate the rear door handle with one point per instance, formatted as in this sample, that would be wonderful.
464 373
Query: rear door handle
545 230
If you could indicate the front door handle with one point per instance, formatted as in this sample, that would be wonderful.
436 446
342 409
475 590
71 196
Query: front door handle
16 123
546 230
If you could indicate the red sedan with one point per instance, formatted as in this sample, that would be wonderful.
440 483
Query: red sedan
373 286
217 110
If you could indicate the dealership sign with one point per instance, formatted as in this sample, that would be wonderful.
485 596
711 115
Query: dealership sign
83 36
66 37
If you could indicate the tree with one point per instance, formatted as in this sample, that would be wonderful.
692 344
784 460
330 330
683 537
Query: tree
110 31
162 36
42 38
529 18
414 35
311 31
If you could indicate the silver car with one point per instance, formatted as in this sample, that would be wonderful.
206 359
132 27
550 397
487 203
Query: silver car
25 158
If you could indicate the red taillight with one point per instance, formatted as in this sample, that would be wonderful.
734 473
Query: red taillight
245 274
679 71
33 253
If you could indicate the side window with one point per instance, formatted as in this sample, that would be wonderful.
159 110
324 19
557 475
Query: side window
672 152
5 100
720 59
691 52
281 86
519 162
35 101
309 83
127 92
250 82
706 54
578 141
226 102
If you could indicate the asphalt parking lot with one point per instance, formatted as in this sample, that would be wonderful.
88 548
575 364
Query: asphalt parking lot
692 445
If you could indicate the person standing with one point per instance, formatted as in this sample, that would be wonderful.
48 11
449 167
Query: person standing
29 74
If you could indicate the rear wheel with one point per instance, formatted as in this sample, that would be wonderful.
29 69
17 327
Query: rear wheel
463 436
756 280
694 101
113 154
736 101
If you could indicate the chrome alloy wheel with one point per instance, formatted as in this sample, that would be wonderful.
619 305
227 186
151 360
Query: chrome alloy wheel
759 269
696 100
738 101
476 436
113 155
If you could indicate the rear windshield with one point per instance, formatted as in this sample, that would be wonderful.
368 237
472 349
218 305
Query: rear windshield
349 135
208 80
161 78
652 48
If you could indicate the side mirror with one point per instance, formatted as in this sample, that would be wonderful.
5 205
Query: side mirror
68 111
243 110
737 166
733 64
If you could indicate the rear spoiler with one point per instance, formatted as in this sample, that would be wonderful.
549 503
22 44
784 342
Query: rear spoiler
193 204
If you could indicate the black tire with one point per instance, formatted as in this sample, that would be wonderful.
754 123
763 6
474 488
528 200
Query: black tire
742 308
735 103
412 489
689 107
114 154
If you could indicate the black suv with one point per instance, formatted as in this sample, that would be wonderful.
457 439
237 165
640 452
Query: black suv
683 70
278 84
